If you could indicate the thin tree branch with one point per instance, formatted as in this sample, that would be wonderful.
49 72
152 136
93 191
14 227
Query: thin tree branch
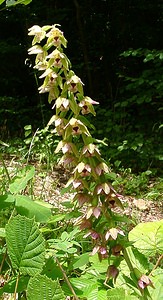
66 278
157 264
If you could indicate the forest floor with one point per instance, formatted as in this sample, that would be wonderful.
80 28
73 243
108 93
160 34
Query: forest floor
141 210
48 185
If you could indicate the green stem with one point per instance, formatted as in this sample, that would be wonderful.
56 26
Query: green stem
3 260
128 261
16 286
131 268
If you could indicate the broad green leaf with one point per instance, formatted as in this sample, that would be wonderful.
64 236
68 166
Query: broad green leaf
91 292
81 285
116 294
138 260
80 261
29 208
52 270
119 294
25 244
157 280
85 287
6 200
102 295
9 287
19 182
99 266
41 287
148 237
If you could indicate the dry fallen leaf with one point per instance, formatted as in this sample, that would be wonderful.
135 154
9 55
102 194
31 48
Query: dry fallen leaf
141 204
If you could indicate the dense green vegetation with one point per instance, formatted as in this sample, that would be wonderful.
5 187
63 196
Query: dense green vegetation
89 243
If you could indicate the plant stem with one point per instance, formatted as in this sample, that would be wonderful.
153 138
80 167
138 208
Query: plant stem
31 144
127 259
16 286
3 259
66 278
157 264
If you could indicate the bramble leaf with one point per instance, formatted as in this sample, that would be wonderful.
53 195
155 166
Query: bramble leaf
25 245
41 287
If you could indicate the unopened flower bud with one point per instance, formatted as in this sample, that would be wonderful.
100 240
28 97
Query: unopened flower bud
112 272
144 281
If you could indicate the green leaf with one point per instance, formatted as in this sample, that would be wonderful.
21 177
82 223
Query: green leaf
25 244
72 250
102 295
138 260
56 218
91 292
2 232
52 270
119 294
15 2
1 1
147 237
6 200
157 280
41 287
29 208
85 286
9 287
20 181
80 261
28 127
116 294
99 266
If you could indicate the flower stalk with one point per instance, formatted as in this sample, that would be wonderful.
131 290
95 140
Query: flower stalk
94 195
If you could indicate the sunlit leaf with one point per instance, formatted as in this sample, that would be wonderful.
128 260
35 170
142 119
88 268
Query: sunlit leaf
147 237
1 1
80 261
29 208
2 232
119 294
19 182
157 280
